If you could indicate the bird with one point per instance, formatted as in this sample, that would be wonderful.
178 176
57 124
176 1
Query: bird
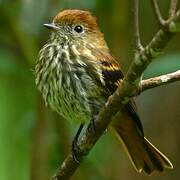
76 73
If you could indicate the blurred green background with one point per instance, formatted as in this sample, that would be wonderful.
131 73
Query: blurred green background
33 139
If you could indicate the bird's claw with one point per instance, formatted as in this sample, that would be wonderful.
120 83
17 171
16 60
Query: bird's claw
74 150
92 126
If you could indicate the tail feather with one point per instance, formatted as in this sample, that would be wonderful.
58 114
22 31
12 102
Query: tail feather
144 156
156 154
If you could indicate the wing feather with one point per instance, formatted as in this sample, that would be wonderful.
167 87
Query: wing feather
113 75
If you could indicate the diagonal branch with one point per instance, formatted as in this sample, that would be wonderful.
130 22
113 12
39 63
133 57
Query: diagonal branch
129 87
69 165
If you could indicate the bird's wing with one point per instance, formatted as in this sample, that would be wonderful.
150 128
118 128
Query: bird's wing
113 75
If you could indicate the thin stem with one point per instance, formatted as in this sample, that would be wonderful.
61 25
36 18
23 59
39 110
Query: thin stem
172 9
137 40
159 81
157 12
176 17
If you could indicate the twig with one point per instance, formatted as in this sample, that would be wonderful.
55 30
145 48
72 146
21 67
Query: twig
172 9
137 40
174 18
157 12
159 81
115 103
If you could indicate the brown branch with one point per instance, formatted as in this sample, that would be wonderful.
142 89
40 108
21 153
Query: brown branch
69 166
159 81
172 9
129 87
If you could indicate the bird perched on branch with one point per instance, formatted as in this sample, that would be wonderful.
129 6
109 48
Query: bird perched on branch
76 74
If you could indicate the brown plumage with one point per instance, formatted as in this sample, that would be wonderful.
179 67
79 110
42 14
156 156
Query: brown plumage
76 74
76 16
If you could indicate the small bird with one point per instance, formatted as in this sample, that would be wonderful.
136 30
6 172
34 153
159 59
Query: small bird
76 73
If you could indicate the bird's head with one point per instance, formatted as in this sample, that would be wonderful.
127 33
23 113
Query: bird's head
76 26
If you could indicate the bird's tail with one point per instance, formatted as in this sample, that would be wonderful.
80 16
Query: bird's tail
144 156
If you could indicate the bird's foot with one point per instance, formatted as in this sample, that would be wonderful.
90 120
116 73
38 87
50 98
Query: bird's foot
75 149
92 125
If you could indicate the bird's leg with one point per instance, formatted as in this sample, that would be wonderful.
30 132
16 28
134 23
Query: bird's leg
74 142
92 124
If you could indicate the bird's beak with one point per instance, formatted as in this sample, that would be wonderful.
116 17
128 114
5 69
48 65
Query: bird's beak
51 26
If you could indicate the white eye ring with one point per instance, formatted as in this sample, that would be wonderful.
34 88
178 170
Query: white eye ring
79 29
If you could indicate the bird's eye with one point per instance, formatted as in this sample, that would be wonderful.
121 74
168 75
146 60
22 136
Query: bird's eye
79 29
